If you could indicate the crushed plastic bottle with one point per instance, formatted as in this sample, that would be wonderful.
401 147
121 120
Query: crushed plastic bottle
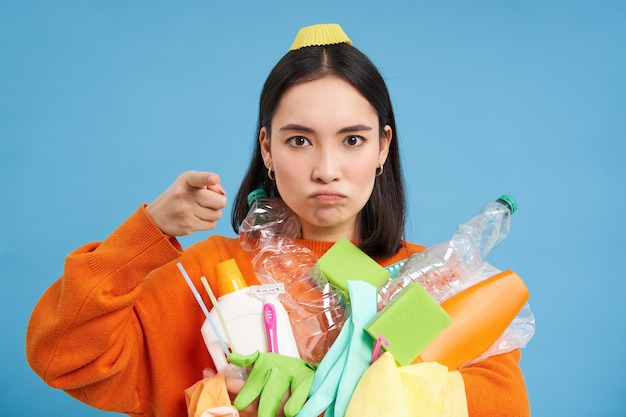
267 218
449 267
317 310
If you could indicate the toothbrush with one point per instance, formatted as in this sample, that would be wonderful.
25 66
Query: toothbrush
269 316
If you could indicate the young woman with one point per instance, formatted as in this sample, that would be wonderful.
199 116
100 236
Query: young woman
120 329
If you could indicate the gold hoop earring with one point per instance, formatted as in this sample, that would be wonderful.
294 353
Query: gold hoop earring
379 170
270 174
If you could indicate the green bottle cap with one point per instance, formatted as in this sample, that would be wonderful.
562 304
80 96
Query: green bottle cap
256 194
509 202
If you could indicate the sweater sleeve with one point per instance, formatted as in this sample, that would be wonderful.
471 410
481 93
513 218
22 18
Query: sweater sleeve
496 387
83 335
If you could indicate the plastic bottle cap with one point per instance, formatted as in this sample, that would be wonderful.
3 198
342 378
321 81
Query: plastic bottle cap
256 194
508 201
229 277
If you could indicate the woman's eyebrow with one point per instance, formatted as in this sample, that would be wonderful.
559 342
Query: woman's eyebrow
296 127
347 129
354 128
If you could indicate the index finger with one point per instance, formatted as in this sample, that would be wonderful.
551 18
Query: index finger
200 179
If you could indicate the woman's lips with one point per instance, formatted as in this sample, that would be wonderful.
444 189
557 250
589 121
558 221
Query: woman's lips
327 198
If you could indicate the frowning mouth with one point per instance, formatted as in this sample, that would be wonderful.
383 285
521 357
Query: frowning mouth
327 198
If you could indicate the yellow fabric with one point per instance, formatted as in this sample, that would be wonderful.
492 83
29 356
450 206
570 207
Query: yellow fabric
424 389
209 398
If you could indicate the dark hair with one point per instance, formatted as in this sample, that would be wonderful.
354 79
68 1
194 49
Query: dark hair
381 221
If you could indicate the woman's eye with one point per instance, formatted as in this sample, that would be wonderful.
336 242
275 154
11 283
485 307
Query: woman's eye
298 141
354 140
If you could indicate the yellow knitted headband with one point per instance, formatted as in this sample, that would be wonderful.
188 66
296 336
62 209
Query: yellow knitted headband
320 35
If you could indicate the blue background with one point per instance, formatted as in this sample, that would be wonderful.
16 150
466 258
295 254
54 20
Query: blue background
104 103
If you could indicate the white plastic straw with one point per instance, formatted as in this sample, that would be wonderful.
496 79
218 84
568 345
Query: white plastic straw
216 305
203 307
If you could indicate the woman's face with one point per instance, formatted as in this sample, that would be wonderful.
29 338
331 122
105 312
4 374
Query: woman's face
324 151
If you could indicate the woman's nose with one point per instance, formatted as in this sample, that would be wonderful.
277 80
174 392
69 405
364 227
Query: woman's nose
326 166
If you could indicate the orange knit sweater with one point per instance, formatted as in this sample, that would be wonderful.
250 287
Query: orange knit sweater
121 330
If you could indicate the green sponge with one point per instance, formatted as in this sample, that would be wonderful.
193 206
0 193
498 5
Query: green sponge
345 262
409 323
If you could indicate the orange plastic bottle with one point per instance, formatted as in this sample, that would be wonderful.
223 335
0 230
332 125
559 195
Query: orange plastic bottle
479 316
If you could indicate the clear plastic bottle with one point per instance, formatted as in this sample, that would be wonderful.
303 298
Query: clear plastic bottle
449 267
267 217
317 310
